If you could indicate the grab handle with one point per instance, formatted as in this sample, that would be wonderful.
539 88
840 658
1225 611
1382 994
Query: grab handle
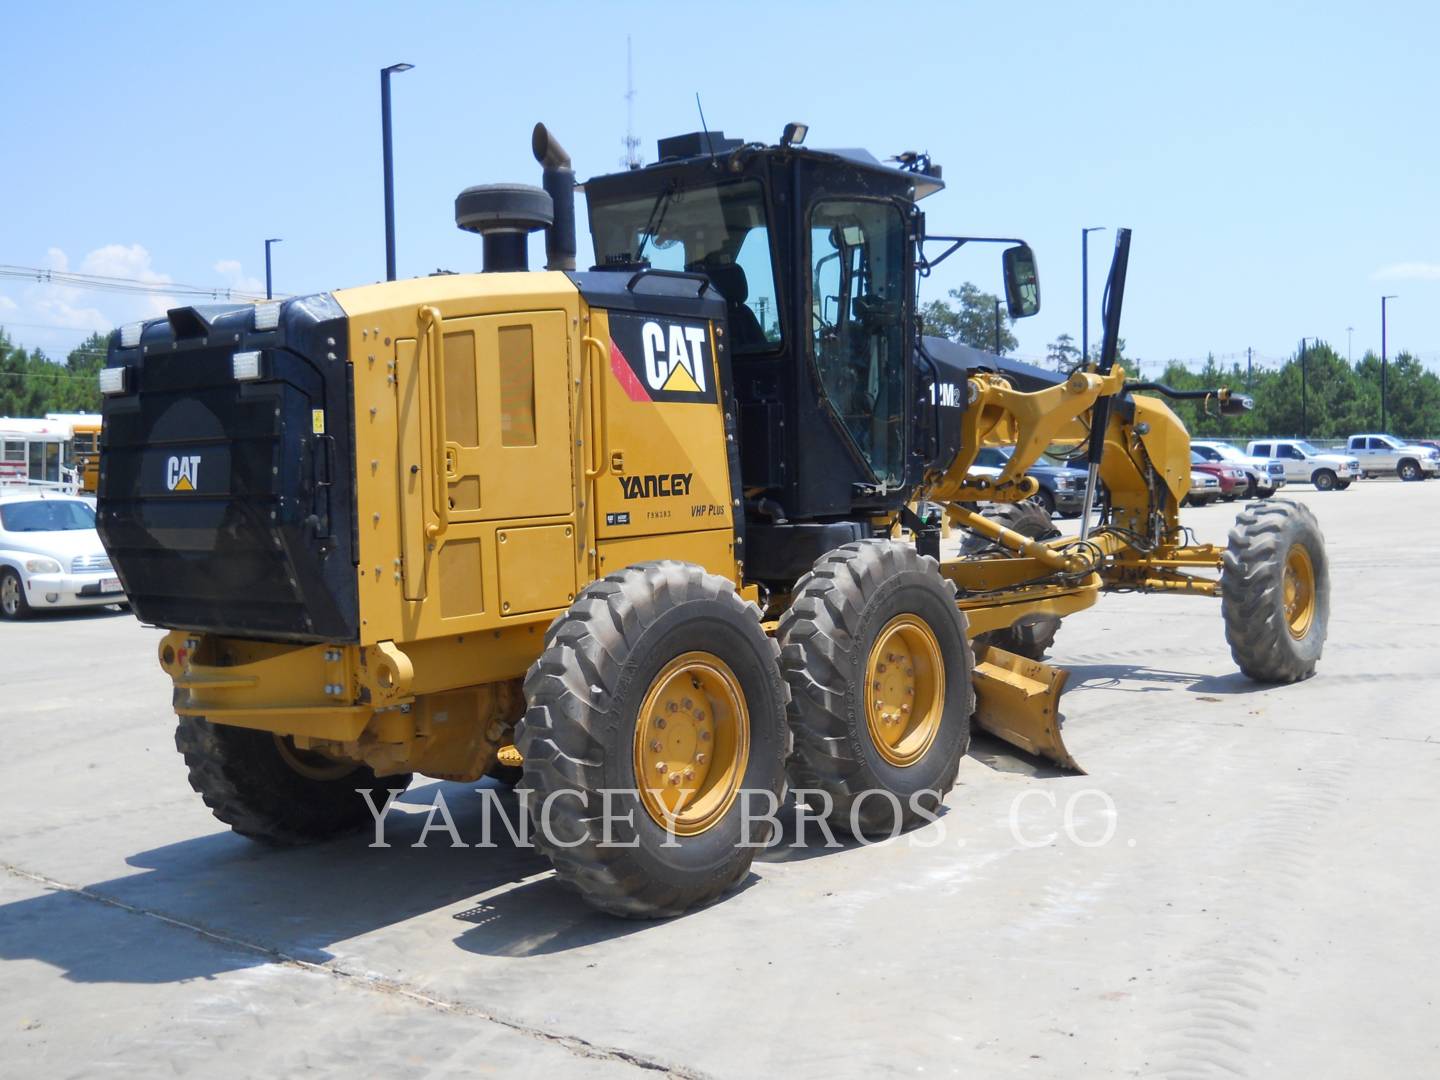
435 378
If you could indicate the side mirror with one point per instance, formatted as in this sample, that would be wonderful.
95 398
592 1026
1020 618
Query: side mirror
1236 404
1022 282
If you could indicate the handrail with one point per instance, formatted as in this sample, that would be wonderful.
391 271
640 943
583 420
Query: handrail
595 350
684 275
429 318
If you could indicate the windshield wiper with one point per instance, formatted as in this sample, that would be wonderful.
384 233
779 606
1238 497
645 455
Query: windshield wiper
652 226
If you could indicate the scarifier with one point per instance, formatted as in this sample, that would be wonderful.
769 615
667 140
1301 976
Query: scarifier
646 528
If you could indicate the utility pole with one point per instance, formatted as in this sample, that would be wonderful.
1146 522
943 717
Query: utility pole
386 147
1384 359
1085 291
631 160
1249 367
269 292
1349 345
997 326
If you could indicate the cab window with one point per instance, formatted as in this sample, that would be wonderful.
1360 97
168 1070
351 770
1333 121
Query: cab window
721 232
857 333
1290 452
1263 450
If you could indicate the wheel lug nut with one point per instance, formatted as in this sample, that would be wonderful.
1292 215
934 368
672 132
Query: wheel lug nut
704 736
699 716
655 746
660 766
672 708
876 684
909 691
687 704
700 759
674 778
689 774
660 722
880 668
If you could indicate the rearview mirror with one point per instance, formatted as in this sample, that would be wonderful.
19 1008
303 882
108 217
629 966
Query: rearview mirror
1022 282
1236 405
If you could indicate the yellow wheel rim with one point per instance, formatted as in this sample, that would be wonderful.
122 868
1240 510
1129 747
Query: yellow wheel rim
692 743
904 690
1299 591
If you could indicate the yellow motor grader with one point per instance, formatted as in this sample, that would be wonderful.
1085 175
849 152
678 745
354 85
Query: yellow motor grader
639 538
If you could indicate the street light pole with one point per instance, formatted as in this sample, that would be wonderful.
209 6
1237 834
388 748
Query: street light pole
269 292
1085 291
1384 359
385 74
997 326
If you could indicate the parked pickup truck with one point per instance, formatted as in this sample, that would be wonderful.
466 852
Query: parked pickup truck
1263 477
1380 454
1306 465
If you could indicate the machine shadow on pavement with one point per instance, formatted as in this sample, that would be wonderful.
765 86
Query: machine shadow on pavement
1143 679
296 903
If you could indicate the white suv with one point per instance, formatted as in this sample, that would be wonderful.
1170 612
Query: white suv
1385 453
1304 464
1265 477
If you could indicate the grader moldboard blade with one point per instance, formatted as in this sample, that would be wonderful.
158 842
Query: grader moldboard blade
1018 700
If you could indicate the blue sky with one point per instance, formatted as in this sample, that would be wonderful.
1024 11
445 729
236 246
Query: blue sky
1279 162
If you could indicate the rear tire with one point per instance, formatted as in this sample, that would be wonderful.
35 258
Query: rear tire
251 783
600 702
872 631
1341 485
1032 636
1045 501
1275 591
13 603
1324 480
1410 470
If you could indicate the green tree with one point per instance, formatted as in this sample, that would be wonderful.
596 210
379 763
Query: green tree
1062 354
970 320
31 384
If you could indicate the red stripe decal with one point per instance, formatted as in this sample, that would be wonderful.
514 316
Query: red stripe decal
625 374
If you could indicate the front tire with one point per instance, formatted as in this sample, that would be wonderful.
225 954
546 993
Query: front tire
263 788
658 686
1410 470
1275 591
879 666
1324 480
13 603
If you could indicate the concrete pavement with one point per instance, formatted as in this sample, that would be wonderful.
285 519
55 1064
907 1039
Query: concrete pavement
1242 885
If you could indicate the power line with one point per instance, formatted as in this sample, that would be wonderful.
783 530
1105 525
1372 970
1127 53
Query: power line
112 283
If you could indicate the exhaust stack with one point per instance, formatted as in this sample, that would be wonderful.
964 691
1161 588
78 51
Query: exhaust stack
558 179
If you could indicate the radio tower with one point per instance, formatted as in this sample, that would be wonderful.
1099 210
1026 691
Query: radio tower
631 160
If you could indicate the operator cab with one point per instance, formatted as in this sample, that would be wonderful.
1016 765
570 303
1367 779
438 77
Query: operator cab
817 255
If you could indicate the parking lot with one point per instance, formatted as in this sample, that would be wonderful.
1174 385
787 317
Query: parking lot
1242 885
